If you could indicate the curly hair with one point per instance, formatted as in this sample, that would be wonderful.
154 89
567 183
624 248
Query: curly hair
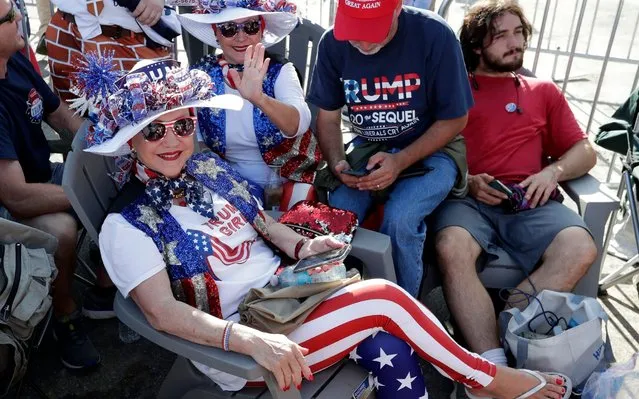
479 24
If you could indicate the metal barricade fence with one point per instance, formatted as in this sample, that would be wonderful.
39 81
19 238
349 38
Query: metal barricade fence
588 47
594 57
321 12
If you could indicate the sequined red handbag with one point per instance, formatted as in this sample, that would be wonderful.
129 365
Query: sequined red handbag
312 219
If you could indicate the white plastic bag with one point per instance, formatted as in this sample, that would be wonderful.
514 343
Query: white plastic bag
621 381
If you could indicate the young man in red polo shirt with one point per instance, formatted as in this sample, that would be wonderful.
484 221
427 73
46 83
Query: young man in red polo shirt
516 124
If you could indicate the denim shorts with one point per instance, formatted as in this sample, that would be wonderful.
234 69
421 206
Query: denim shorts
524 235
57 170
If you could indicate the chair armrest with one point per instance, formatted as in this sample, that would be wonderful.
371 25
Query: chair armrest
595 203
375 251
234 363
587 191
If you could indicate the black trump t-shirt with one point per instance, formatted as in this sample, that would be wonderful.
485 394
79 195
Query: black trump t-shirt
25 99
395 95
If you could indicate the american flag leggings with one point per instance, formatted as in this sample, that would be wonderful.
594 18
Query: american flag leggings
361 310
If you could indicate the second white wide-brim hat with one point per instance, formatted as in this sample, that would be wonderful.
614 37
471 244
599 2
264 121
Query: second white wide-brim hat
277 24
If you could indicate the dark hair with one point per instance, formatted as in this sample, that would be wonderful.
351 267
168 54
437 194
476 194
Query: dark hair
479 24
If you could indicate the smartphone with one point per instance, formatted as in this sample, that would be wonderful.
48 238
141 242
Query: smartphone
334 255
415 170
357 173
499 186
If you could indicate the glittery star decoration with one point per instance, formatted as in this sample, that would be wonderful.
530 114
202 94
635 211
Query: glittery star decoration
267 141
149 217
241 190
215 143
169 254
208 167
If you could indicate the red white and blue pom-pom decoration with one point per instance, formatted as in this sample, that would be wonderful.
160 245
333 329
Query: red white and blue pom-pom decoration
93 80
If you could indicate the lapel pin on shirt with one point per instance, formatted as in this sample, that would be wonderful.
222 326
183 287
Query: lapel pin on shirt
511 107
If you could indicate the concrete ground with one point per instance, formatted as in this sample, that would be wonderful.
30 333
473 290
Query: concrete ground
136 370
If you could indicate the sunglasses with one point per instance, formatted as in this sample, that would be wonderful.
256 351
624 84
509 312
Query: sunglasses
11 15
183 127
230 29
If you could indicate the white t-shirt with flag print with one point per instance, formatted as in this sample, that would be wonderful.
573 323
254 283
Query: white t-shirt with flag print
237 256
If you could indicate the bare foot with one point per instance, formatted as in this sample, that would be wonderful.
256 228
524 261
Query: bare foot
512 383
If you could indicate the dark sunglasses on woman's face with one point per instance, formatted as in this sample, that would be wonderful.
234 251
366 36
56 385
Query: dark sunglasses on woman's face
11 15
183 127
230 29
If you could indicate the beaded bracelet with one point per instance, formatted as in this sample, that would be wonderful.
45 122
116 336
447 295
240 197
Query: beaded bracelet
227 335
298 247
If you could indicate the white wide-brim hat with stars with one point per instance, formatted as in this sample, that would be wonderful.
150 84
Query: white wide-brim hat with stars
124 105
279 18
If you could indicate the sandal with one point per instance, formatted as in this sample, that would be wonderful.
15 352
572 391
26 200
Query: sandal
542 383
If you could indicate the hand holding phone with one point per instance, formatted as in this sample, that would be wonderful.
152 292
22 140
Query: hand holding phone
356 173
488 190
345 178
501 187
335 255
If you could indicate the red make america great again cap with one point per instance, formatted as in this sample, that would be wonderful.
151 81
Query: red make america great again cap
364 20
